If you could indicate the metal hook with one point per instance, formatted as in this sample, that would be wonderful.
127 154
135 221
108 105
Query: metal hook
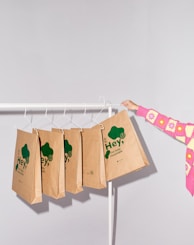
94 119
28 118
46 112
25 112
73 122
53 121
64 112
85 109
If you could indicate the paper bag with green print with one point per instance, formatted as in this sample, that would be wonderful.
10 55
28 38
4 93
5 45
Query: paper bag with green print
26 180
123 150
93 158
52 163
73 160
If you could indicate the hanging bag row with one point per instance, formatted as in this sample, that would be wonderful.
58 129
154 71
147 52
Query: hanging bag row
66 160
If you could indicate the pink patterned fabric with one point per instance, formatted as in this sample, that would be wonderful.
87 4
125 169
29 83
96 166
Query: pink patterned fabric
184 132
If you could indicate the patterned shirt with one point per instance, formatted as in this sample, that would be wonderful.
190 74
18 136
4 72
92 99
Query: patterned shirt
184 132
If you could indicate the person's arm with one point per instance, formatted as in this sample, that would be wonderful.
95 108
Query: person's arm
180 131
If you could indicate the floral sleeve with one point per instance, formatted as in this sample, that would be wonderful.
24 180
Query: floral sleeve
180 131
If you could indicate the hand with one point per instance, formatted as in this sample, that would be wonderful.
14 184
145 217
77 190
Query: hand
130 105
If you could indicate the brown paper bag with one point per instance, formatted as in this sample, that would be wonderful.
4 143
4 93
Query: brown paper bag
52 163
93 158
73 160
27 167
123 150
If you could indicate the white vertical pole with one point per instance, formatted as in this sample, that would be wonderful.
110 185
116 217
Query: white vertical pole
110 197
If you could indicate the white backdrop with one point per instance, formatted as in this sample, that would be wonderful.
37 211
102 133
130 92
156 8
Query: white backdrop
77 51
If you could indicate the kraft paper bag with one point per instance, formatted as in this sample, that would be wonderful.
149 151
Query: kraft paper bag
123 150
73 160
27 167
94 175
52 163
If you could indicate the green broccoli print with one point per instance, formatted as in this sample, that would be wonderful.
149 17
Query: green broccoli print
16 167
67 150
116 133
23 159
107 154
25 154
47 151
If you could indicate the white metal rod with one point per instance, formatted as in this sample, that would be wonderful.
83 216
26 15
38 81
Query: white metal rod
110 195
23 106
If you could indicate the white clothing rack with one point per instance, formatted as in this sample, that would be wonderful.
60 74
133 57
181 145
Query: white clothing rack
8 107
41 106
